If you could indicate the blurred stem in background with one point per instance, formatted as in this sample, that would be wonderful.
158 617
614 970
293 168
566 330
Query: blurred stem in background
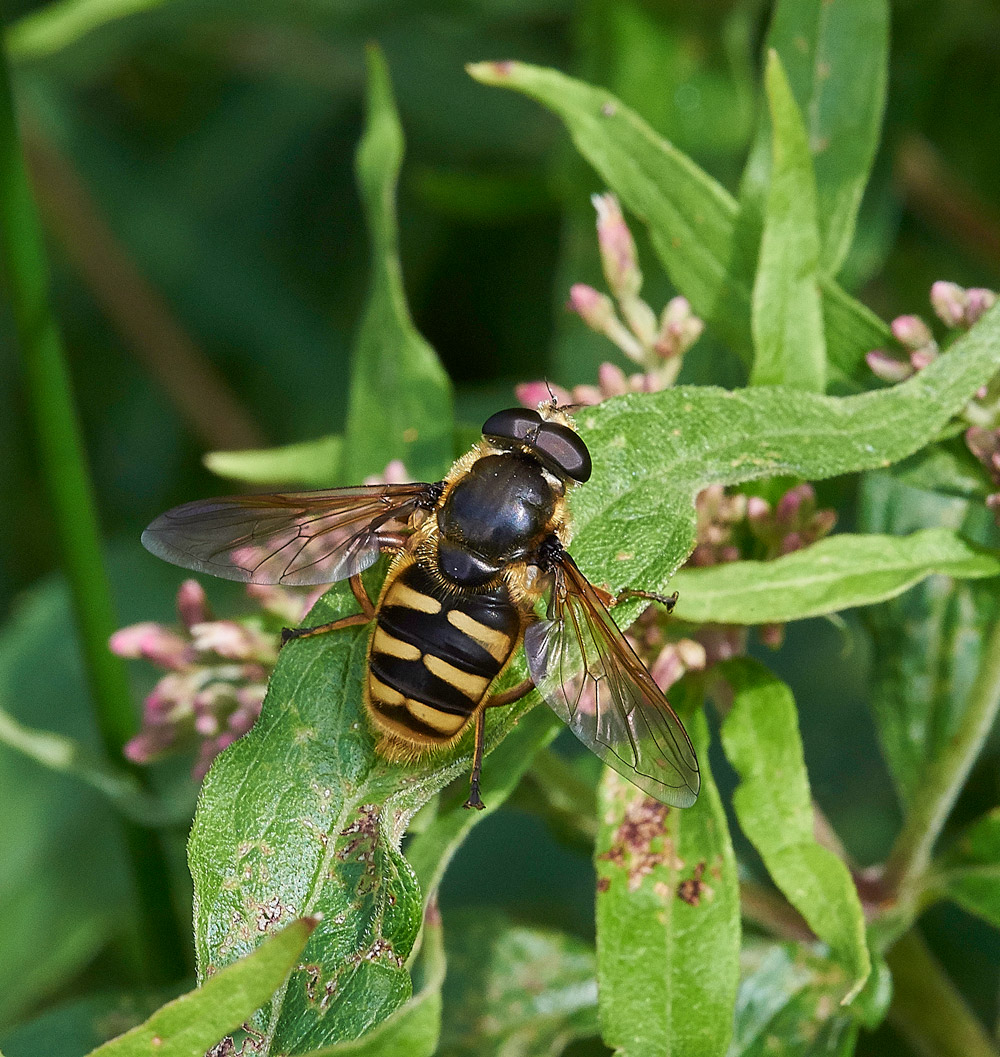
136 309
65 475
911 855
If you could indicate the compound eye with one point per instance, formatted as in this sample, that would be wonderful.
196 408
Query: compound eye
515 424
561 449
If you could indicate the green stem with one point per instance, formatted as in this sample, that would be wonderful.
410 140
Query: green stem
911 853
926 1008
63 469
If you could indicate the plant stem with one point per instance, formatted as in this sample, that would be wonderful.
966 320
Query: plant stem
771 911
926 1008
64 472
911 853
134 307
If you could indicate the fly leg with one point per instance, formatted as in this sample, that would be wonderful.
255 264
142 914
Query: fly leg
667 601
366 614
507 697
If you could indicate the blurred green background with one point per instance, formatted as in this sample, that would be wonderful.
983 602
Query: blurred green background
193 163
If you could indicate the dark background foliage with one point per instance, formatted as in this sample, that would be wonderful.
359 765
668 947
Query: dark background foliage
200 153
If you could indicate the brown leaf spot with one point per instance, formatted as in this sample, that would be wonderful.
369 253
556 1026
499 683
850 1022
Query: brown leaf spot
693 889
633 847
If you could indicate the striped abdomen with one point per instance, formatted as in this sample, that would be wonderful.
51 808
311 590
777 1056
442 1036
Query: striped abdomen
433 656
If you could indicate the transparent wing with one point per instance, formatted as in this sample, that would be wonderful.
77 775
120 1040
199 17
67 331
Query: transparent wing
292 538
588 673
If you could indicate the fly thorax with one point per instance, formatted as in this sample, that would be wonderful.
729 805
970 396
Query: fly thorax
496 513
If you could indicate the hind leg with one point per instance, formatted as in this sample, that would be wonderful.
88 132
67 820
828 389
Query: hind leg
508 697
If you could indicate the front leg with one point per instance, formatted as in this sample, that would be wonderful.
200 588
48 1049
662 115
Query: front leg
366 614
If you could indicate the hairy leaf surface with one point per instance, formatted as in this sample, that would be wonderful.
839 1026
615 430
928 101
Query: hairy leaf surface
839 572
400 403
787 318
668 929
772 802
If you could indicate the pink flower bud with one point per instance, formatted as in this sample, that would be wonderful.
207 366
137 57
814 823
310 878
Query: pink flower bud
192 606
978 302
679 329
612 380
596 309
887 367
949 302
151 641
225 638
532 394
921 358
588 395
618 254
206 725
792 542
758 509
912 332
772 635
795 505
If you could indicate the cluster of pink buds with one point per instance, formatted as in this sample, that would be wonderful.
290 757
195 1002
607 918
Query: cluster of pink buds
730 527
612 381
656 342
955 306
958 309
216 671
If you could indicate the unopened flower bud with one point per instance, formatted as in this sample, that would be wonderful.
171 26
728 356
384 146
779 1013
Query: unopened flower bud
978 302
612 380
758 509
225 638
192 606
921 358
887 367
796 505
588 395
531 394
949 302
151 641
772 635
912 332
680 328
596 309
618 255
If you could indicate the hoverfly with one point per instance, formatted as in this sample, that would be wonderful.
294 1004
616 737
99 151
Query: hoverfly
473 554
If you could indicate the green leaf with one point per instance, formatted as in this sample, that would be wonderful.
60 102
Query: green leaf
77 1026
691 218
68 756
836 57
430 851
788 1004
927 644
787 310
193 1023
970 873
947 467
54 921
400 400
308 464
514 991
653 453
58 25
414 1029
836 573
668 928
760 735
301 816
